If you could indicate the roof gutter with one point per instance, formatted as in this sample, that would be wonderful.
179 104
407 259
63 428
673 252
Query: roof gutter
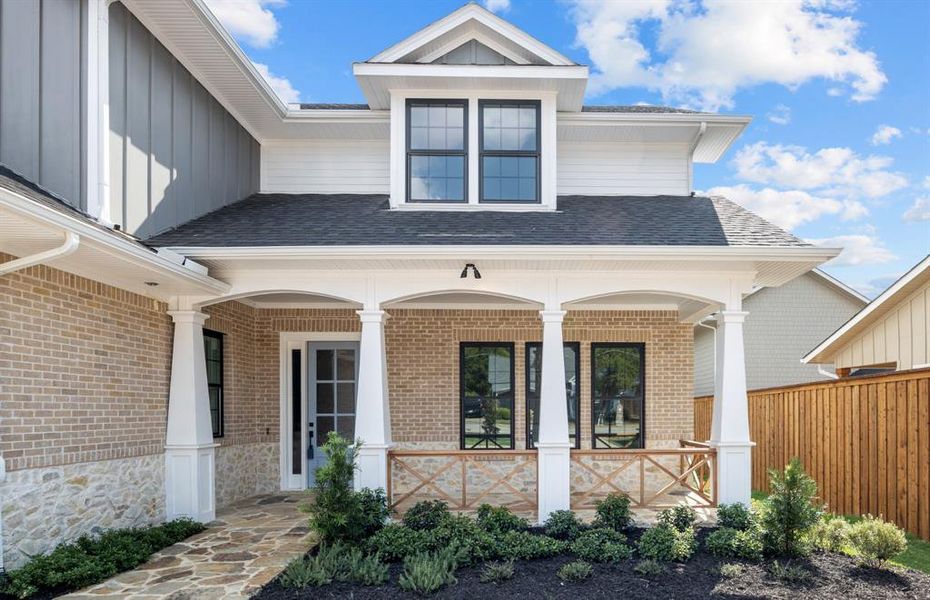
71 243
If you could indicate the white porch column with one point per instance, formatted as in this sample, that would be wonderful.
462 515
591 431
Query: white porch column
189 447
553 446
730 424
372 410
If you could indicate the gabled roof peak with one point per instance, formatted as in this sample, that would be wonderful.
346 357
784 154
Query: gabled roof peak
468 23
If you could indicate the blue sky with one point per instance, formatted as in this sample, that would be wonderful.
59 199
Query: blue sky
839 149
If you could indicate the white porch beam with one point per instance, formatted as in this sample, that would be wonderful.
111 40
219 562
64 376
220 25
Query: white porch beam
189 446
554 446
730 422
372 410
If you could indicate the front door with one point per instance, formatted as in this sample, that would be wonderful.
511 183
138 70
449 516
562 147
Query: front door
332 377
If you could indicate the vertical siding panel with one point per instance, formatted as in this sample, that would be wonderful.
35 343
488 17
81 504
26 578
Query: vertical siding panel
60 100
217 154
230 146
181 128
163 213
138 70
200 150
255 167
919 330
904 336
19 87
118 133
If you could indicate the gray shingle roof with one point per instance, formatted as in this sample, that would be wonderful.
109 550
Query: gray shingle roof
351 220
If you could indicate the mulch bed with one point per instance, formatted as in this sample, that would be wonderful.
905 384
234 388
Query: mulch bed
833 576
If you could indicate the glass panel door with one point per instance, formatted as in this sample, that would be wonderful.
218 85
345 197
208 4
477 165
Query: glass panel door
332 383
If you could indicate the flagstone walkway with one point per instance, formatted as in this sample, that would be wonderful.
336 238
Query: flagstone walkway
247 546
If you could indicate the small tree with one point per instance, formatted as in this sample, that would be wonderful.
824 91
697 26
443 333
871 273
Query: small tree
790 510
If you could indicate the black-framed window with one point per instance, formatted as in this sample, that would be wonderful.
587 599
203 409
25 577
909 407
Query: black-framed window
618 391
509 142
486 371
437 151
572 356
213 351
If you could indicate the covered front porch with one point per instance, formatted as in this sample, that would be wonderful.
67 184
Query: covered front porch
451 384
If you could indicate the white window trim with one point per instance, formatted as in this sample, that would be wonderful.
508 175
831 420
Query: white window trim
547 158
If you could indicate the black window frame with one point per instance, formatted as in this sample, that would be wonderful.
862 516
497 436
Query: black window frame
530 445
642 366
463 102
513 384
537 154
209 333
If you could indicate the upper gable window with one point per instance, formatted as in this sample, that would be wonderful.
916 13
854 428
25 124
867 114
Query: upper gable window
437 141
509 141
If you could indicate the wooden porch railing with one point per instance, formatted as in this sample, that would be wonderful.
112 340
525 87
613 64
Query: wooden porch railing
652 478
463 478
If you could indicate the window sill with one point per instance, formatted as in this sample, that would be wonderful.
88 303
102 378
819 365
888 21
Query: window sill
502 206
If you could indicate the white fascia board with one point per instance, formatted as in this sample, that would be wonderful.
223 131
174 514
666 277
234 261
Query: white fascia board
460 16
338 115
678 253
621 118
886 296
473 71
112 244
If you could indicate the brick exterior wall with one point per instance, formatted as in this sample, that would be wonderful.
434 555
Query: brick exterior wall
84 370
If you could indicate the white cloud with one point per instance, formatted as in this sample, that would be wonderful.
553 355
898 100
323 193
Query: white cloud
857 250
706 52
780 115
248 20
497 6
884 134
874 287
281 85
926 183
833 171
919 211
791 208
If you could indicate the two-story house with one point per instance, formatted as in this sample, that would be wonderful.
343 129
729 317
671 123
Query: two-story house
491 284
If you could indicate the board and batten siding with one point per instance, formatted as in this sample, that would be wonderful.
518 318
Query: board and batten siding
175 152
622 169
41 94
901 337
326 167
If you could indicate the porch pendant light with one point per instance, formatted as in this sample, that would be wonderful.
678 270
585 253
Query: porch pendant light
474 271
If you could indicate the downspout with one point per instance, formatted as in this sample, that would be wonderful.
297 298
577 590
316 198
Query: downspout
826 374
714 353
71 243
694 143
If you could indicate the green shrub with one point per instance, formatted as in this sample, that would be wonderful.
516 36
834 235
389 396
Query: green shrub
788 572
563 525
680 517
525 546
90 560
496 572
427 572
727 542
462 532
830 534
426 514
336 562
498 520
649 568
613 512
735 516
731 570
302 572
601 545
366 570
337 512
790 511
396 542
664 542
577 570
876 541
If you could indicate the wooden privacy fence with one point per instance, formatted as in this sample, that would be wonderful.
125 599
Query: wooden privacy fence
865 440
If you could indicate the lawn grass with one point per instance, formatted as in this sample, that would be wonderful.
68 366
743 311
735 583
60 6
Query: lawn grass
917 555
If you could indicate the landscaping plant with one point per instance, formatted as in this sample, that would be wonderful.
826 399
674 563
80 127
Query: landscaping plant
727 542
577 570
788 572
790 511
831 534
563 525
496 572
613 512
498 520
601 545
731 570
525 546
680 517
665 543
90 559
649 568
735 516
426 514
427 572
477 544
337 512
395 542
876 541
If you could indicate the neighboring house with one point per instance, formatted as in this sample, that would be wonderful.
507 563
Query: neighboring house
783 323
398 272
892 333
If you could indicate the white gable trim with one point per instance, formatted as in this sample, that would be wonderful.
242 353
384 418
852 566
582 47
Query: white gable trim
462 15
479 37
